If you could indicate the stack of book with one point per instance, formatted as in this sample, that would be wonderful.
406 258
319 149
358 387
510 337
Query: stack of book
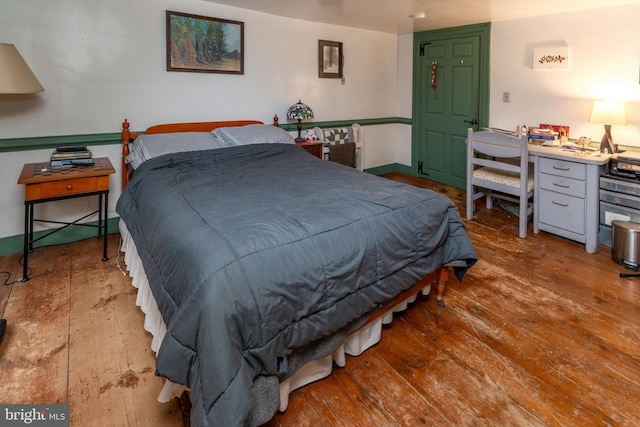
71 156
547 137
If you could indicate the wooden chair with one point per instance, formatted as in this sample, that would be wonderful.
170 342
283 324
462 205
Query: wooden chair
498 167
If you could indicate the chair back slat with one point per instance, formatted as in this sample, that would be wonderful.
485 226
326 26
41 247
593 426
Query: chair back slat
497 144
510 167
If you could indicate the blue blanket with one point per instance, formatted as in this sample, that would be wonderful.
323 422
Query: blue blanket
262 257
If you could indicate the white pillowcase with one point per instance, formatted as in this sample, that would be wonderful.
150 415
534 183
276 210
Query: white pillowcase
252 134
147 147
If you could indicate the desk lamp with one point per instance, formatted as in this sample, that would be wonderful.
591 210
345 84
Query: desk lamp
15 78
608 113
299 112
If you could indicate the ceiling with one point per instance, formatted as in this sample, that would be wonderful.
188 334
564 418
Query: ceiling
392 16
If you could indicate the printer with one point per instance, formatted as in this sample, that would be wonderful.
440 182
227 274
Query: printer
625 165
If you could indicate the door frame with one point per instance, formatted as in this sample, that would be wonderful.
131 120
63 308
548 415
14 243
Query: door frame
483 31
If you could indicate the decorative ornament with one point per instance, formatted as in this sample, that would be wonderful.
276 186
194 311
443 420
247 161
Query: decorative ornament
434 85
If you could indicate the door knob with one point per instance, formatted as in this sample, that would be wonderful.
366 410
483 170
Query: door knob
472 122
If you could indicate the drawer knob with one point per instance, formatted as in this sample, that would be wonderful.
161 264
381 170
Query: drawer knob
69 187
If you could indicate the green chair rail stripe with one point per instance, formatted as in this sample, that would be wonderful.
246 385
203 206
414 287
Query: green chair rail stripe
45 142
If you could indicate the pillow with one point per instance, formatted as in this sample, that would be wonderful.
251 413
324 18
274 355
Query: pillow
146 147
252 134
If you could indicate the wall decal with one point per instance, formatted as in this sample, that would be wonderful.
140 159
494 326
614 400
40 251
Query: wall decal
551 57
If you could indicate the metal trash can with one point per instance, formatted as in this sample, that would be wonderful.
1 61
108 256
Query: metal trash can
625 244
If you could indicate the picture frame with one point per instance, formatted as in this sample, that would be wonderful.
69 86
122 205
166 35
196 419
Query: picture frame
330 59
202 44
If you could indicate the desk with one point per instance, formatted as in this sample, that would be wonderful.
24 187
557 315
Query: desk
42 184
566 194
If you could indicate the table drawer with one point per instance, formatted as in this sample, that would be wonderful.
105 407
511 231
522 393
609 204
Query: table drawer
66 187
563 168
561 184
562 211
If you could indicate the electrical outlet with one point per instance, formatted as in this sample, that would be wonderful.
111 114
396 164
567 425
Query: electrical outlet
506 97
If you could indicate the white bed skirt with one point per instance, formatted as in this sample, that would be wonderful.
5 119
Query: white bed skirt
354 345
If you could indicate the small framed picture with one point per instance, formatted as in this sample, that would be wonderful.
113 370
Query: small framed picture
204 45
330 59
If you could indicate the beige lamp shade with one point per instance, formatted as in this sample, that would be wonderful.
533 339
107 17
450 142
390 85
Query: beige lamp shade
15 75
608 113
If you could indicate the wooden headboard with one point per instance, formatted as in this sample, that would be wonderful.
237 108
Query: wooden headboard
128 136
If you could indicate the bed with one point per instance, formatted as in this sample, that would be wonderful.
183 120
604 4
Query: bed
258 265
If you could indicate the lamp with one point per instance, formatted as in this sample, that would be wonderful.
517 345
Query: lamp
608 113
15 78
15 75
299 112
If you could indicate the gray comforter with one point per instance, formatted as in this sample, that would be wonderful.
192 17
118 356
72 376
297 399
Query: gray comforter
262 257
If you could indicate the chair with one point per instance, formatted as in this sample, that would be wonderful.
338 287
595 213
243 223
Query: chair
342 145
498 167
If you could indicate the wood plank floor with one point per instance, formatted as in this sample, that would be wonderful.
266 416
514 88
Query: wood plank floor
538 333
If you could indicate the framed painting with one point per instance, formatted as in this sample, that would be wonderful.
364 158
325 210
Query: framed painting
204 45
330 59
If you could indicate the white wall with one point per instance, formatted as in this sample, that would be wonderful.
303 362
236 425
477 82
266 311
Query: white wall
604 65
405 96
101 61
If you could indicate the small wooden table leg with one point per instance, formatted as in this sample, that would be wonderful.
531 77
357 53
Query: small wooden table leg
441 284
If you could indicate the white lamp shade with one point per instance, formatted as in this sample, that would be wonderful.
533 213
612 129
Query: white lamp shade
15 75
608 113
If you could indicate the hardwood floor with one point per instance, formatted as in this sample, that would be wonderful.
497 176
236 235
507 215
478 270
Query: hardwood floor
538 333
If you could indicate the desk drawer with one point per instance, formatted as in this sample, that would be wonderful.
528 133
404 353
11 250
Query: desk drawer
562 211
560 184
563 168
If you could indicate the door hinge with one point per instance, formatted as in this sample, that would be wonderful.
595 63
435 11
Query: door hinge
420 171
422 45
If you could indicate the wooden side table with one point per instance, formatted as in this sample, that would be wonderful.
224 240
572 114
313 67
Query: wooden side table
312 147
44 184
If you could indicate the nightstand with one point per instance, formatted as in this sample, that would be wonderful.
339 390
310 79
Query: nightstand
44 184
312 147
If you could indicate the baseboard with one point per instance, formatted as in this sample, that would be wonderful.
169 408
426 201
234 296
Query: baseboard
393 167
15 244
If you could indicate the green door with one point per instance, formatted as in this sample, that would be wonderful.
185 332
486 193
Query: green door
447 87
